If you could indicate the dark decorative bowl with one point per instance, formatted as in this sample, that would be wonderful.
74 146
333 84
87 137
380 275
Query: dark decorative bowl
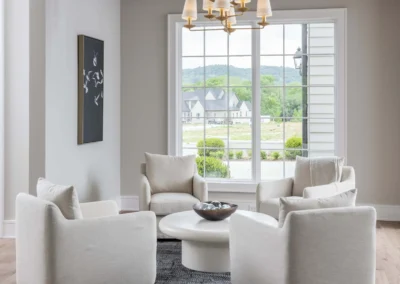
217 214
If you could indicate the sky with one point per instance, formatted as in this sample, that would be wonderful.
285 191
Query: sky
272 46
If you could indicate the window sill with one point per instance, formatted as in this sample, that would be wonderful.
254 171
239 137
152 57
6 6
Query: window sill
237 187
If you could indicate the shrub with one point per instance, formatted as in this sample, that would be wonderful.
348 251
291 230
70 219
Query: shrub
239 155
212 154
231 154
220 154
293 143
249 153
275 155
214 167
263 155
215 143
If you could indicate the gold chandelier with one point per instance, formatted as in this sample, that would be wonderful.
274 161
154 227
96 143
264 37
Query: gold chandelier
226 13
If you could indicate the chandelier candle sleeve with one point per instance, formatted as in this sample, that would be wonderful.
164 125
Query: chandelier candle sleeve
208 5
190 10
264 9
222 4
232 17
227 11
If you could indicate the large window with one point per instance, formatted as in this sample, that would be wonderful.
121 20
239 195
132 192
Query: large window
247 104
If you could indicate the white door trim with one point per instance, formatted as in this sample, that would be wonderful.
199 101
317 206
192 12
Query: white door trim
2 100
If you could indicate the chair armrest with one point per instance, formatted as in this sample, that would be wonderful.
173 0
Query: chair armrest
328 189
200 189
99 209
145 194
257 250
119 247
273 189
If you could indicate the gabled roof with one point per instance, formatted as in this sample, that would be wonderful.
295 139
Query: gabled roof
196 95
199 94
217 105
231 94
248 105
185 107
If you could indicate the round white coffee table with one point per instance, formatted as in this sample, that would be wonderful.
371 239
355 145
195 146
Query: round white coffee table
205 244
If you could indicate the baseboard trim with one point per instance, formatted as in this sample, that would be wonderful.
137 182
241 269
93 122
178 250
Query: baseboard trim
8 229
385 212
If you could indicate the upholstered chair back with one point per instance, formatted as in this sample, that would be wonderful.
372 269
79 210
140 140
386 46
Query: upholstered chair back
335 245
172 179
331 236
143 168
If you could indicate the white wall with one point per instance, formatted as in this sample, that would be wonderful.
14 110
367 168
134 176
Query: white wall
373 98
93 168
16 102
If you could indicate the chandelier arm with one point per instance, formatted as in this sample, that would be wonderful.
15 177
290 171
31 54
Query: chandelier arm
210 30
238 15
205 30
213 19
258 28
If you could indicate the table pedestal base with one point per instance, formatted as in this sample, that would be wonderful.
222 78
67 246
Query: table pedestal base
206 257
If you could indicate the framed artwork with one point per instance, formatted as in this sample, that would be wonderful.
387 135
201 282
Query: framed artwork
90 89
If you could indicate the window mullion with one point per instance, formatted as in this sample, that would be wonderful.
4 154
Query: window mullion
178 106
205 105
284 102
228 105
256 105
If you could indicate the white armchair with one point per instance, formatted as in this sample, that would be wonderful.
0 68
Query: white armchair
313 246
165 203
268 193
103 247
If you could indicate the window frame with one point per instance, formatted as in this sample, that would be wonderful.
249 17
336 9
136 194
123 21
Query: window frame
175 24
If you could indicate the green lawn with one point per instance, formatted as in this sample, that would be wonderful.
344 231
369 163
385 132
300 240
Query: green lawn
192 133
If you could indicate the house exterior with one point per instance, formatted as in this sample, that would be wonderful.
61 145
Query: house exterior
321 140
213 104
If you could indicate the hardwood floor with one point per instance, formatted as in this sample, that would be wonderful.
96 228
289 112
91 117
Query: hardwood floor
387 256
7 261
388 253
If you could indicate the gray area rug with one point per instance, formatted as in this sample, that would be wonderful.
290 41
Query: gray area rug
170 269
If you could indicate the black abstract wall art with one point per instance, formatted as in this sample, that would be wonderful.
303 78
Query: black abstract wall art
90 89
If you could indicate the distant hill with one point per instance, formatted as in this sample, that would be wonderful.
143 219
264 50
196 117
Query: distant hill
191 76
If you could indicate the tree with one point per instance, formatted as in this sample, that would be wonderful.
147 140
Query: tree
267 80
216 82
294 97
271 98
270 104
243 94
